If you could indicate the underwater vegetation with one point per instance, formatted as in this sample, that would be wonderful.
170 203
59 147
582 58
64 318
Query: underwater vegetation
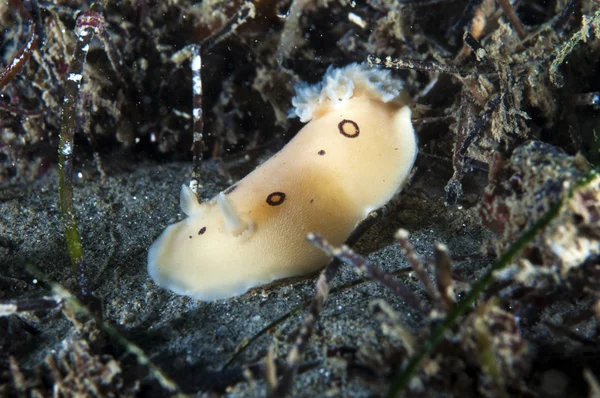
481 279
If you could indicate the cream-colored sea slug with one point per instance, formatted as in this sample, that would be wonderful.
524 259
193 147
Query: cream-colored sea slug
351 158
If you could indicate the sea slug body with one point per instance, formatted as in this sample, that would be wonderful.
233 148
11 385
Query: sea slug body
352 157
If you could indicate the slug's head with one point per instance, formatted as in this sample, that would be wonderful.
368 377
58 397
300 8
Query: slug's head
200 241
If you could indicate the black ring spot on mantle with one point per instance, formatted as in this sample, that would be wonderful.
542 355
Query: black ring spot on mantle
348 128
275 198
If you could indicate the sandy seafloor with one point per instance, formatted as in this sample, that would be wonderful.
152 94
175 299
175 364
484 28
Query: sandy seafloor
191 339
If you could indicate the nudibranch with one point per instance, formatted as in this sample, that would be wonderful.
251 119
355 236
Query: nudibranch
351 158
